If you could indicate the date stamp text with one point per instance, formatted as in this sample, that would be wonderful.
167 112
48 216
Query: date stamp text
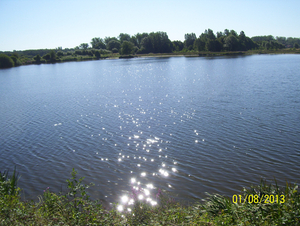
258 199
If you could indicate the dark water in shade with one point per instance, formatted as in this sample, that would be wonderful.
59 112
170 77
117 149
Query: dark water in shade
185 125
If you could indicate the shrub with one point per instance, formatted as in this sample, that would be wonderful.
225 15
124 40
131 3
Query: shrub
8 186
105 51
90 53
135 49
141 51
115 50
59 53
75 207
46 57
69 58
113 44
97 54
6 61
37 58
78 52
127 47
16 60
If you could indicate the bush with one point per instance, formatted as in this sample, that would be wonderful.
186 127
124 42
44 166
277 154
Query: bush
97 54
16 60
60 53
46 57
78 52
69 58
113 44
75 207
8 186
37 59
6 61
126 47
105 51
115 50
90 53
141 51
135 49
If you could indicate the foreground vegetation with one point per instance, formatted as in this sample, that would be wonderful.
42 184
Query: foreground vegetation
76 208
155 43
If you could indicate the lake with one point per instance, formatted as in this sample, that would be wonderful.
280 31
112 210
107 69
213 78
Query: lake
185 125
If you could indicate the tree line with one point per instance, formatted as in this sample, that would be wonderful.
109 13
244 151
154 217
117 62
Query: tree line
154 42
158 42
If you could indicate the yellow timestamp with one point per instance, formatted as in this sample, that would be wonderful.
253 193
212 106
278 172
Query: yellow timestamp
258 199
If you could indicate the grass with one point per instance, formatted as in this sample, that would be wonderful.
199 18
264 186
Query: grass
75 207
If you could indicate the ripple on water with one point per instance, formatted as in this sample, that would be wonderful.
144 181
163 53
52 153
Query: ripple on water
182 125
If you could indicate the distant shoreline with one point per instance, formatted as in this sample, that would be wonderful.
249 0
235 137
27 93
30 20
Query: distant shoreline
173 54
201 54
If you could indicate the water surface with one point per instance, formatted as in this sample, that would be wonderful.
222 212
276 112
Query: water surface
185 125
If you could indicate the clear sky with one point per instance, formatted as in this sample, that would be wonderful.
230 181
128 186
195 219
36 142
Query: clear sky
38 24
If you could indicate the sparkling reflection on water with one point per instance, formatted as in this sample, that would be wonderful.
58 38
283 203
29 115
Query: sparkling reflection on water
182 125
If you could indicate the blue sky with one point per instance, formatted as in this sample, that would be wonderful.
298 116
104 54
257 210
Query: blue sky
37 24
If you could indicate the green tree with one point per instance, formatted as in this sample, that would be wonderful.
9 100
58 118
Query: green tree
60 53
134 40
156 42
46 56
98 43
260 39
16 59
6 61
267 45
226 32
231 43
52 56
233 32
199 44
108 39
281 40
124 37
296 45
83 46
113 44
177 45
250 44
161 42
213 45
210 34
97 54
219 34
135 49
146 45
139 37
127 47
115 50
242 41
242 36
189 40
37 59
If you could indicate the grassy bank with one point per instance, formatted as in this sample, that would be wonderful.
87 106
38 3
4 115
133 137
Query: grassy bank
75 207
